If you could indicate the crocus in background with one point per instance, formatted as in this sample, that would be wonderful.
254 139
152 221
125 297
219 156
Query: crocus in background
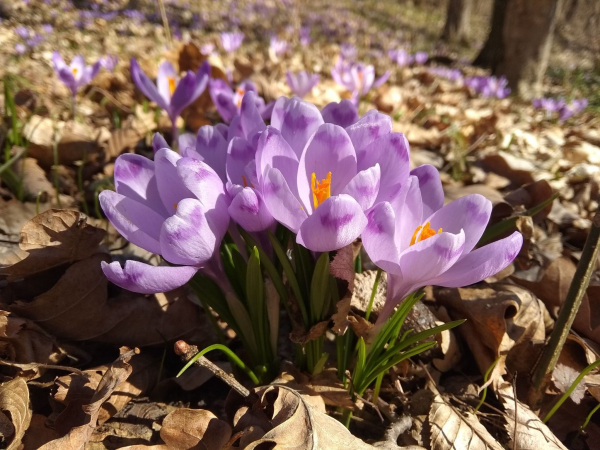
449 74
304 35
418 241
400 57
74 75
358 78
421 58
318 179
278 46
171 93
109 62
573 108
489 86
228 101
207 49
348 52
231 41
173 206
302 82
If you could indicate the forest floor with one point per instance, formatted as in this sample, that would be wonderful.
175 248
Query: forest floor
62 323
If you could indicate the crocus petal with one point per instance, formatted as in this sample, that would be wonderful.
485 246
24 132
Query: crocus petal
481 263
470 213
274 151
89 73
187 145
343 113
166 72
379 236
280 201
431 188
222 96
158 142
187 237
235 129
146 279
135 178
390 151
77 66
66 76
239 154
368 79
58 61
364 187
328 150
267 111
382 79
370 127
248 209
212 147
170 187
297 120
144 84
134 221
250 118
409 209
337 222
431 257
188 90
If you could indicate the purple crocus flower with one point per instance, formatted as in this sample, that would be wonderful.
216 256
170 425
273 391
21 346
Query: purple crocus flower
173 206
207 49
496 87
109 62
228 102
301 83
420 242
318 179
23 32
20 48
171 93
348 52
231 41
47 28
575 107
421 58
278 46
357 78
305 36
400 57
76 74
449 74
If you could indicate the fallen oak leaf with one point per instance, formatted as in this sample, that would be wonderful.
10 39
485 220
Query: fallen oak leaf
85 423
14 400
199 429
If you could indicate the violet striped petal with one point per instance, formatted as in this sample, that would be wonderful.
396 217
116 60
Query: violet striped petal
364 187
409 210
280 201
158 142
188 89
166 80
337 222
212 147
248 209
146 279
297 120
431 188
145 85
250 118
222 96
274 151
343 113
378 237
170 188
239 154
368 128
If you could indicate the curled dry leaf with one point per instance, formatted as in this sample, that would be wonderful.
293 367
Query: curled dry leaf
194 429
53 238
342 268
296 425
84 420
15 412
453 430
530 431
33 178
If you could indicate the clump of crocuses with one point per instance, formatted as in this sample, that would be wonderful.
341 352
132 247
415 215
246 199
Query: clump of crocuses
559 105
75 75
358 78
489 86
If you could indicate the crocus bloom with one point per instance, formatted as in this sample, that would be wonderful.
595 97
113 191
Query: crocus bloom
420 242
173 206
76 74
23 32
171 93
228 102
489 86
318 179
421 57
301 83
449 74
304 36
278 46
348 52
207 49
357 78
20 48
109 62
231 41
400 57
575 107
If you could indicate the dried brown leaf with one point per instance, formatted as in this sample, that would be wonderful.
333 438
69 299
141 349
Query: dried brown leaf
342 267
14 400
451 430
299 336
33 178
121 141
194 428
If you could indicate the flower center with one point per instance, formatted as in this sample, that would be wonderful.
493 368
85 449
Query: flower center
426 232
74 70
321 190
172 84
240 95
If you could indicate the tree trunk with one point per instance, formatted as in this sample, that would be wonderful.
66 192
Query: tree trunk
457 21
491 53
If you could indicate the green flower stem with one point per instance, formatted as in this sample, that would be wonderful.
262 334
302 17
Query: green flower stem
232 356
373 293
581 281
589 417
486 376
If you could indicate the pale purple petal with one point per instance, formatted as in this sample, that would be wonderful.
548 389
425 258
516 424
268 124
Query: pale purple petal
248 209
280 201
222 96
297 120
134 221
431 188
186 237
370 127
337 222
187 145
343 113
250 119
409 209
378 238
188 90
382 79
58 62
135 178
77 67
328 150
235 129
212 146
239 154
170 187
145 85
166 72
274 151
146 279
470 213
89 73
364 187
481 263
158 142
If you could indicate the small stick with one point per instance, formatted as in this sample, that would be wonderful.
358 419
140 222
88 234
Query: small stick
187 352
165 20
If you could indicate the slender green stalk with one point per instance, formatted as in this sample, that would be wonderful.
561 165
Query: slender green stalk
485 380
377 388
589 417
11 161
232 357
581 281
373 293
569 391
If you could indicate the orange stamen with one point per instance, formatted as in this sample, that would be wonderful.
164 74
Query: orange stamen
244 180
175 206
240 92
426 232
321 190
74 70
172 84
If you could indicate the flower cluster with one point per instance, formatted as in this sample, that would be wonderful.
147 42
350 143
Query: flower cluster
565 110
356 77
489 86
30 39
327 176
448 74
404 58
